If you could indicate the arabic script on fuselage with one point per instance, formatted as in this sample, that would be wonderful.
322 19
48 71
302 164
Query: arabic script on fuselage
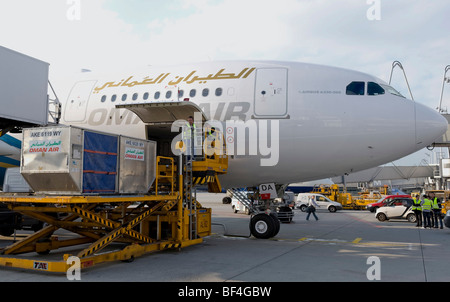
188 79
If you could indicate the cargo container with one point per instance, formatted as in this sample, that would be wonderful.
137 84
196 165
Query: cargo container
74 161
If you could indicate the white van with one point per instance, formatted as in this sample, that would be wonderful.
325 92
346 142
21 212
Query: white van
14 182
322 201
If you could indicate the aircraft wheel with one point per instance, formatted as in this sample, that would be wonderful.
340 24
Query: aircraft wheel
277 224
262 226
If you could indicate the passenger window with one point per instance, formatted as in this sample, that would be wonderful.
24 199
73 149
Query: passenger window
124 97
157 94
180 93
103 98
355 88
135 96
168 94
113 98
145 96
205 92
219 91
374 89
192 93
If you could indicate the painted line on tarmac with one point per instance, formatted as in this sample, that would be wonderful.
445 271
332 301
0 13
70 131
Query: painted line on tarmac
356 242
364 221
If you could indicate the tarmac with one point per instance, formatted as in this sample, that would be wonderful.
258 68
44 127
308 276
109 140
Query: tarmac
346 246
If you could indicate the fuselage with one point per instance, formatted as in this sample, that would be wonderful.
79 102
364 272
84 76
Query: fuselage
311 121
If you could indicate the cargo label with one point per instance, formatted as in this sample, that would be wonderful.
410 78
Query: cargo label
134 154
48 146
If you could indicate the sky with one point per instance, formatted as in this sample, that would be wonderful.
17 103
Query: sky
364 35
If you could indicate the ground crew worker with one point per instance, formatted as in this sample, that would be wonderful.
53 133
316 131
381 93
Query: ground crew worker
209 146
426 210
417 209
312 207
189 136
437 207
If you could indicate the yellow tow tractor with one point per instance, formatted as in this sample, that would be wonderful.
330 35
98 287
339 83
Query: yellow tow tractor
347 200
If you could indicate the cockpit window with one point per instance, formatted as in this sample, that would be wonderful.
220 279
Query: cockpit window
391 90
374 89
355 88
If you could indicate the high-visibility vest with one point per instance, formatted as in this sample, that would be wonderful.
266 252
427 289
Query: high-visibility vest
435 204
189 131
426 206
416 205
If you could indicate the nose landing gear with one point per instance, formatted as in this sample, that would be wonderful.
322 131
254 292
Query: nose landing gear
264 226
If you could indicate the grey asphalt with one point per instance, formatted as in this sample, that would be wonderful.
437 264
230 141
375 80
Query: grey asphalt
340 247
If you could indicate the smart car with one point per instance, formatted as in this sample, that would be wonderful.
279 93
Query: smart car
399 208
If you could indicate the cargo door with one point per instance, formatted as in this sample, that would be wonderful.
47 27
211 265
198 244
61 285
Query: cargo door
161 117
271 93
76 105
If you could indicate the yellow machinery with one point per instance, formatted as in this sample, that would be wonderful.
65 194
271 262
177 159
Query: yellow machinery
444 196
346 199
166 217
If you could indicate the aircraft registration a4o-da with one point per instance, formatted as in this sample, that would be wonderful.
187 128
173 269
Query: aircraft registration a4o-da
284 122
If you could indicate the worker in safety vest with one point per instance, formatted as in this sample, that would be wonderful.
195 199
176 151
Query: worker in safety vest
417 209
437 207
426 210
188 136
209 146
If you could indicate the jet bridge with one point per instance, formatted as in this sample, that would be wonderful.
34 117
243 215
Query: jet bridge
24 98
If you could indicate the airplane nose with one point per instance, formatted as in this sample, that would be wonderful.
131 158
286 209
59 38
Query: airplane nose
430 125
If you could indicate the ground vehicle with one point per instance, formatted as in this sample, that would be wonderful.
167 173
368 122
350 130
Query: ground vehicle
383 201
247 202
14 182
10 221
237 206
347 200
447 219
322 201
288 199
398 208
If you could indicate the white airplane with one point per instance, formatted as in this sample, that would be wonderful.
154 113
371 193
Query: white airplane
284 122
312 122
321 121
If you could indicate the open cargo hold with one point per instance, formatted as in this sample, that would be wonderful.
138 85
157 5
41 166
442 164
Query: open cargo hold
70 160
